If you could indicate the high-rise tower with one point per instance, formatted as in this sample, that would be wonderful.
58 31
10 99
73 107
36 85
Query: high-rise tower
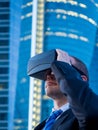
71 25
14 39
21 110
9 41
4 62
28 90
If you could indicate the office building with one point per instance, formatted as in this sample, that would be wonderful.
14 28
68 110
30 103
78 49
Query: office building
28 91
21 107
14 39
4 63
6 40
16 47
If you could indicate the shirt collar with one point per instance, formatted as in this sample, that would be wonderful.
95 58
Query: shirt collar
64 108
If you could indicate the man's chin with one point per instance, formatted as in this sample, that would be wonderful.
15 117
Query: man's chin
55 95
50 95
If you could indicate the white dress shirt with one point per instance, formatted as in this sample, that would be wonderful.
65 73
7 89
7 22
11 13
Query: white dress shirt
64 108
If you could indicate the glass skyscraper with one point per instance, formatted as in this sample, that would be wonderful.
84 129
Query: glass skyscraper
28 91
9 23
4 63
14 39
21 110
71 25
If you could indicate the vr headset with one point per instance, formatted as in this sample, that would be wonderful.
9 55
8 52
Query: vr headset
39 64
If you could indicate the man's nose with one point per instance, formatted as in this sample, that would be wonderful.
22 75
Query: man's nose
50 77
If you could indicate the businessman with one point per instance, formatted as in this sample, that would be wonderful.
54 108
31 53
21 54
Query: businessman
67 83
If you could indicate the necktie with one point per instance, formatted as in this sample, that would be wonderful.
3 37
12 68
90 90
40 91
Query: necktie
51 119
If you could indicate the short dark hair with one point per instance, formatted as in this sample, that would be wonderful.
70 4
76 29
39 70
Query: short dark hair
80 66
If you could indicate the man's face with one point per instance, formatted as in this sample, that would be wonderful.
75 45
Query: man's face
51 86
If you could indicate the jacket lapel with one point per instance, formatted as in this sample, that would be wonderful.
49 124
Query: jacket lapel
61 119
41 125
64 116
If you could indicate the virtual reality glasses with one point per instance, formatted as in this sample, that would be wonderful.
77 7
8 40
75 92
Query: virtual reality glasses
39 64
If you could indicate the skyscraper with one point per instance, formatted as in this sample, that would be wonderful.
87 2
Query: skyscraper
21 109
70 25
36 48
4 63
17 45
7 53
14 39
28 91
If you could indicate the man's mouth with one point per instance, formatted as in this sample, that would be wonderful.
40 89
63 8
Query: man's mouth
50 83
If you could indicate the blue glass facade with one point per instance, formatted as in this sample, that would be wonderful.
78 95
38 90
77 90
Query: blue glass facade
15 13
21 88
71 26
94 67
4 62
22 85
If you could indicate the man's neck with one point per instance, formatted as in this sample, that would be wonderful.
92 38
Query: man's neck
60 102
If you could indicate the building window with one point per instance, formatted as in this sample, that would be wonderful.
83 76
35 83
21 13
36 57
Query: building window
4 4
3 70
4 43
3 85
4 124
3 116
4 29
4 108
3 56
3 100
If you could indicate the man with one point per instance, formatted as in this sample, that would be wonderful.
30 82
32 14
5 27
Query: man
67 84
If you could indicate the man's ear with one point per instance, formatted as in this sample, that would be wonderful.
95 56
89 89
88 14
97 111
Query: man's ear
84 77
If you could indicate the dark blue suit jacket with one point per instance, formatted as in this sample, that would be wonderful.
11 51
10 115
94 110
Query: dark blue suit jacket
66 121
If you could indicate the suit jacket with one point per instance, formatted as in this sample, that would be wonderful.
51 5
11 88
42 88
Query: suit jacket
83 101
66 121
